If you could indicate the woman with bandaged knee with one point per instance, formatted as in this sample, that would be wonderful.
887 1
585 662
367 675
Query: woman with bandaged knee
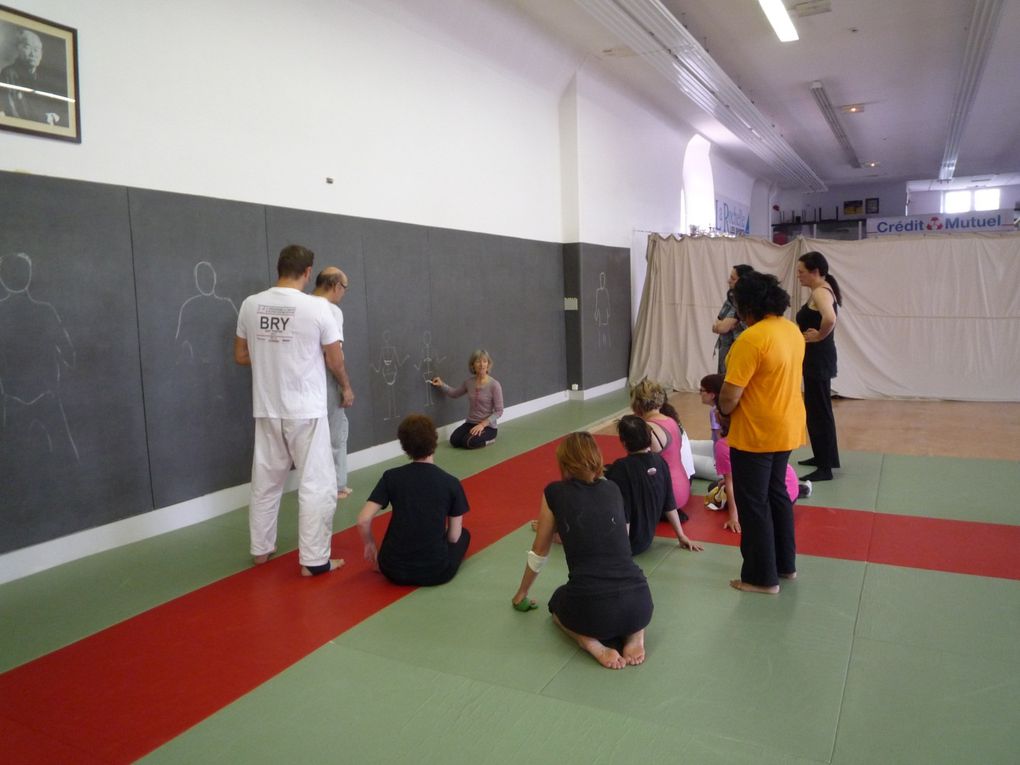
605 604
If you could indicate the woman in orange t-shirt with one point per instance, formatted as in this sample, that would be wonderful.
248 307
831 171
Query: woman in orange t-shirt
761 396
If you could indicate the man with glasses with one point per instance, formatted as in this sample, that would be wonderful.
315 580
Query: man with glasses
331 284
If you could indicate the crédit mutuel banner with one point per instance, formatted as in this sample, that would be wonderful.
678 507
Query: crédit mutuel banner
946 223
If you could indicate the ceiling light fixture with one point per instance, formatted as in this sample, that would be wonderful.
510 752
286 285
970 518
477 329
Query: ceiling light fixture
983 24
825 106
852 108
780 20
655 35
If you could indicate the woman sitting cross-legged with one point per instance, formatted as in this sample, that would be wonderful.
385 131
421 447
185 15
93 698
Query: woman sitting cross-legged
486 396
605 604
426 541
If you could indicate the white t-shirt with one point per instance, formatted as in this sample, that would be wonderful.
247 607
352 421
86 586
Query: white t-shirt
285 330
339 316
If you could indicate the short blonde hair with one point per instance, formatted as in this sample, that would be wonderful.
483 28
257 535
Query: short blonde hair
579 457
646 396
478 356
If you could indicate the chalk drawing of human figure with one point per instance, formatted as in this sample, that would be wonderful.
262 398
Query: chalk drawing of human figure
602 312
35 348
206 321
428 367
389 365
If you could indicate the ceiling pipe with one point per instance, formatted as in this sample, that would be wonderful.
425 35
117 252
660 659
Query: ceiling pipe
984 22
648 28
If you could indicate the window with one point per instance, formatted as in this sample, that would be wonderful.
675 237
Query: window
965 201
986 199
956 202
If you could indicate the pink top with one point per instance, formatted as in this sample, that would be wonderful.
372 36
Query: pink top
723 467
671 454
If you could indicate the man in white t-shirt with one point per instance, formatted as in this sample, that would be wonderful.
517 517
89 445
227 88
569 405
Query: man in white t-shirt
331 284
284 335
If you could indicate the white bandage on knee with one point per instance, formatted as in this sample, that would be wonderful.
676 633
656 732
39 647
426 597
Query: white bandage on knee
535 562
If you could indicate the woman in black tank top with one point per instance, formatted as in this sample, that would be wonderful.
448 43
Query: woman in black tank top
817 320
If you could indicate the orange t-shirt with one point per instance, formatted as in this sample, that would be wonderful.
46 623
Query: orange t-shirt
767 362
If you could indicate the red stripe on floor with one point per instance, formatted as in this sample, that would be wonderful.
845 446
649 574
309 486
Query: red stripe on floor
128 689
117 695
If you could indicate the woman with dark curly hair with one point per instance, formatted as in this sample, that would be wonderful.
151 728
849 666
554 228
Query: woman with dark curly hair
426 540
761 396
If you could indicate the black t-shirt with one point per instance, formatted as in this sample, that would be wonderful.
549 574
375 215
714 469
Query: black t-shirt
592 525
647 489
422 496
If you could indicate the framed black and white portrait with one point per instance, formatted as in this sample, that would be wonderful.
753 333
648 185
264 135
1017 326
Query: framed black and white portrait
38 76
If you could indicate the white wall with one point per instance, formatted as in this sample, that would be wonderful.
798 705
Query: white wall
630 163
260 101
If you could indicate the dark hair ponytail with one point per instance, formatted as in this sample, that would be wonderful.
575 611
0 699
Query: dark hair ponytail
815 261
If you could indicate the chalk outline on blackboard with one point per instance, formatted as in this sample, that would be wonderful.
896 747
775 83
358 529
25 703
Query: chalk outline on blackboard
62 358
389 364
427 367
602 321
186 344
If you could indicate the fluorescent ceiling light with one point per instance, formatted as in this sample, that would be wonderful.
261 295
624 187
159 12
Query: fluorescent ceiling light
779 18
825 107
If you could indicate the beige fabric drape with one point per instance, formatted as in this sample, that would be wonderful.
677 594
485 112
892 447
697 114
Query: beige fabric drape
922 316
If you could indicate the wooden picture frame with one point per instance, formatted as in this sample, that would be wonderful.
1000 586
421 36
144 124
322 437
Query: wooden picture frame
38 77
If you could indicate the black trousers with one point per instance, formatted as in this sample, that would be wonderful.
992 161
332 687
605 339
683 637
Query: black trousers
462 438
454 556
821 424
765 512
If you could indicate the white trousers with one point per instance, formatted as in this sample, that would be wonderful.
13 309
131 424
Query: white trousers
704 460
305 444
338 430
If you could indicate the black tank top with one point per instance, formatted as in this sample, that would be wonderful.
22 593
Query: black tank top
820 357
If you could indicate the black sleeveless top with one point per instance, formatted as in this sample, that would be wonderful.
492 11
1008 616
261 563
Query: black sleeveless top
820 357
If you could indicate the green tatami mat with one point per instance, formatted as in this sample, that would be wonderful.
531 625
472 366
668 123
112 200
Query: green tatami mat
855 486
970 615
951 487
906 704
343 705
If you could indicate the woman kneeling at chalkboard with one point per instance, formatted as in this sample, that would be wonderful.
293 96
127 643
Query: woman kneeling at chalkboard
426 540
486 396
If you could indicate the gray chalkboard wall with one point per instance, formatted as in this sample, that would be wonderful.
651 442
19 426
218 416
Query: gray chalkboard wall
598 333
117 316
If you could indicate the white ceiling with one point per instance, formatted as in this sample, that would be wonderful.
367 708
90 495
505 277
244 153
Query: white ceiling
901 59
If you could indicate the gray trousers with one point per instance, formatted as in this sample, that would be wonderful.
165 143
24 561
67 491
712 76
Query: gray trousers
338 429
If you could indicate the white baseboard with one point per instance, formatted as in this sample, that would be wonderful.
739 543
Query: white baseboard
45 555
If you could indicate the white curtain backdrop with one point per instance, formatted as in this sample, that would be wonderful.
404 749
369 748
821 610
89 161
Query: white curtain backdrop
929 316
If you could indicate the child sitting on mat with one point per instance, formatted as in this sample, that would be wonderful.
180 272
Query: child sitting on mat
721 497
647 487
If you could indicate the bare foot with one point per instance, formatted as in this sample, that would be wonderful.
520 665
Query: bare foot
791 575
334 564
608 657
736 584
345 492
258 560
634 648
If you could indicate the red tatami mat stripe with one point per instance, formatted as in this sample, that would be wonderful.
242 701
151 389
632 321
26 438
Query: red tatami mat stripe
119 694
